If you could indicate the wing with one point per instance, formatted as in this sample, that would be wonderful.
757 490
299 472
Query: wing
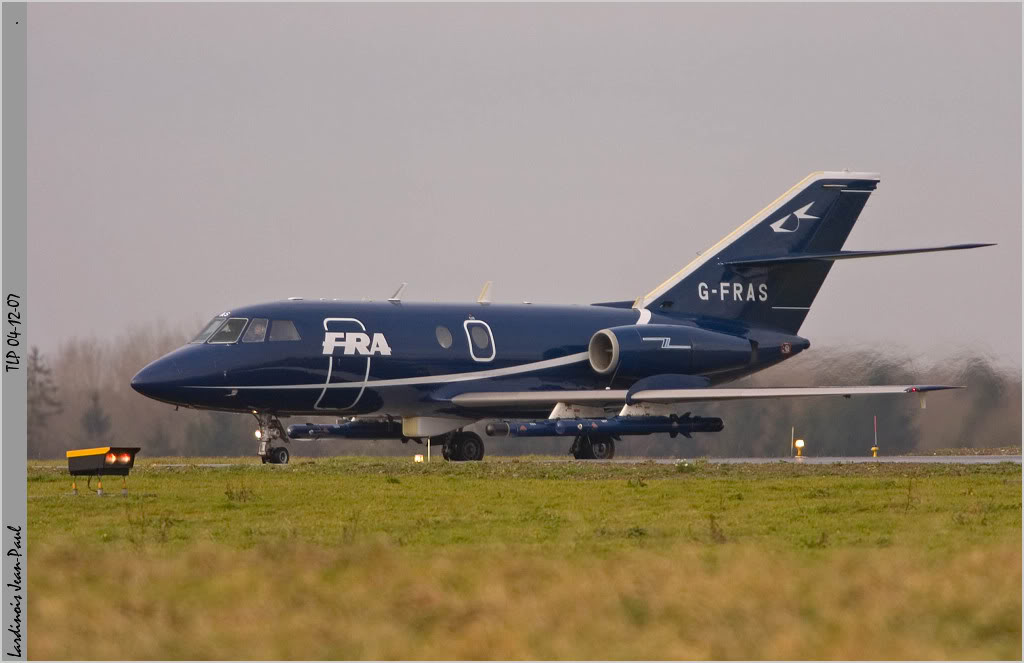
609 397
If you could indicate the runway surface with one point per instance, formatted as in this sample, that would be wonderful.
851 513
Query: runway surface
828 460
206 465
805 460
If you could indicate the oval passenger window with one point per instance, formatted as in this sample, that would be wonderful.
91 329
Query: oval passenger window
444 337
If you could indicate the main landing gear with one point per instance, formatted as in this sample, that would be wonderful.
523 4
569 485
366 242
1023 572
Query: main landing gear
270 433
597 447
463 445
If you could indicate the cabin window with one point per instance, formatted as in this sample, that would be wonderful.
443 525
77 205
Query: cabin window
480 337
230 332
283 330
481 341
444 336
256 332
208 330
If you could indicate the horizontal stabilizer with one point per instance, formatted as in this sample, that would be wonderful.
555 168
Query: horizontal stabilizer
610 397
842 255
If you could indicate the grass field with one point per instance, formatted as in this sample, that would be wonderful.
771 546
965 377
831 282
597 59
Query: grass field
522 558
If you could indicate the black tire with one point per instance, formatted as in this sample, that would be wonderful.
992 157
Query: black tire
279 456
471 447
602 448
580 449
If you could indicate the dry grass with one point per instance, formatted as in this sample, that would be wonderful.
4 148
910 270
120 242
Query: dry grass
375 601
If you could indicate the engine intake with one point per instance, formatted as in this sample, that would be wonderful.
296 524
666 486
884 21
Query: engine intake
604 351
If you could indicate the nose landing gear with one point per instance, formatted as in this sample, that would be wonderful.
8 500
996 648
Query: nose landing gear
270 432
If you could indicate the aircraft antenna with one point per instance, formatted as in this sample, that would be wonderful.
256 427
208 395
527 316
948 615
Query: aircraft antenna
485 294
397 297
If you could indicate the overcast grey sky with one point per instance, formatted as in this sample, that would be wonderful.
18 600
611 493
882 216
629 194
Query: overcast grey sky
187 159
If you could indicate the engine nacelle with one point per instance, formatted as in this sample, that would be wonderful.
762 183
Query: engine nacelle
636 351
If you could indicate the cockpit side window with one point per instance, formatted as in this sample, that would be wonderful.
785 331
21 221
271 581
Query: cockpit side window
256 332
283 330
208 330
230 332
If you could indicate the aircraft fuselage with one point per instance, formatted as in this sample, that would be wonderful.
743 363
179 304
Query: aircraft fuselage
391 357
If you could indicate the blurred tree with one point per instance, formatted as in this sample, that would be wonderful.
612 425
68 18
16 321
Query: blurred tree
92 372
95 421
42 402
219 434
158 443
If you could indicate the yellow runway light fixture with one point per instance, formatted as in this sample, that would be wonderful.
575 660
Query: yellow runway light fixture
100 461
418 458
799 444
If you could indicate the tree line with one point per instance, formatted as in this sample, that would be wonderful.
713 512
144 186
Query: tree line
80 396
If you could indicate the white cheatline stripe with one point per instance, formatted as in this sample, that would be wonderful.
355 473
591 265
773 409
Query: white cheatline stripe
427 379
645 317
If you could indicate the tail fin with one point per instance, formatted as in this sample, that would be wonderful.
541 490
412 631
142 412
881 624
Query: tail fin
767 272
812 218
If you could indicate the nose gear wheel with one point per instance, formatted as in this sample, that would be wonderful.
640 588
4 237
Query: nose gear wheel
271 431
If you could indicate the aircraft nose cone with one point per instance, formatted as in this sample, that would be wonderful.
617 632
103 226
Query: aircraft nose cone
156 379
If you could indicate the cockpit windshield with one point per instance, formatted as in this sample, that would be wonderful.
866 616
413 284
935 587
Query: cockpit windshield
230 332
209 329
256 331
223 329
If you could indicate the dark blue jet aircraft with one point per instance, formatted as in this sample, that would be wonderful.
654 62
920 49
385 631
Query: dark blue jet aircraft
406 371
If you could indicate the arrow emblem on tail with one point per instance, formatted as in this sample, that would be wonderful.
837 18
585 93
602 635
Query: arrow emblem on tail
801 215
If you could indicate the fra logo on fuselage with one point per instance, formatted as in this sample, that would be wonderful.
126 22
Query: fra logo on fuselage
356 343
734 292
